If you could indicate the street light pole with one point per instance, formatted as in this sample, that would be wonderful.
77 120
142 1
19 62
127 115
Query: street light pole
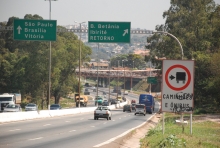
123 66
132 76
109 78
117 80
49 87
79 90
97 72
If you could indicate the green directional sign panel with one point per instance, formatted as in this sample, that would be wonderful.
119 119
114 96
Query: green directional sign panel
152 80
36 30
109 32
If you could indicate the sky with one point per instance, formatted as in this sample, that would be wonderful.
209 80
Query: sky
143 14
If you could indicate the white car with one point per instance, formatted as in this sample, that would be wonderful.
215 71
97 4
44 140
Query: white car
12 108
102 112
31 107
126 92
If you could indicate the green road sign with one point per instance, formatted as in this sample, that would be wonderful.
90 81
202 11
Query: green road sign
152 80
109 32
36 30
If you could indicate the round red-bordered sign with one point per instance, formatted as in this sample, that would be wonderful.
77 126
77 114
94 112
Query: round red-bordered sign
167 76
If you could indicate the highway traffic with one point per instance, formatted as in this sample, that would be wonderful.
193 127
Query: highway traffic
78 130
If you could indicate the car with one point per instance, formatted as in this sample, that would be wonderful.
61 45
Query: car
123 98
140 109
55 107
102 112
86 92
119 98
12 108
105 103
126 92
133 106
114 101
98 100
127 107
31 107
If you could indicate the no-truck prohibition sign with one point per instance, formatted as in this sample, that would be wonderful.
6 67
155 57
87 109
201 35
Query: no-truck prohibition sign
167 77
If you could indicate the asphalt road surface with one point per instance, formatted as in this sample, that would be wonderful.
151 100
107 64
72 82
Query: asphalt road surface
79 130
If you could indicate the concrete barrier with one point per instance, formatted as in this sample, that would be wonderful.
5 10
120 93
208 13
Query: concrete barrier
18 116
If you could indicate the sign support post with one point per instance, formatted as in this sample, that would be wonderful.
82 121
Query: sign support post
181 118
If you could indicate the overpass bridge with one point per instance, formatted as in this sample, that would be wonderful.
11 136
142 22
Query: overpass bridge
130 77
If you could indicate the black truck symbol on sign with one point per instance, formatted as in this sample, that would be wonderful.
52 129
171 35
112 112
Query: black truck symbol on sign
180 76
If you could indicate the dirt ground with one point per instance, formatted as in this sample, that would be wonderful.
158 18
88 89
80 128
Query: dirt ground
132 139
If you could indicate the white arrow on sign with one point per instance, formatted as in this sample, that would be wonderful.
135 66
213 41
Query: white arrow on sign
125 31
19 29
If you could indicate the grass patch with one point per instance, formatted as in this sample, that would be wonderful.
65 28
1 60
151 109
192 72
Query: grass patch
206 134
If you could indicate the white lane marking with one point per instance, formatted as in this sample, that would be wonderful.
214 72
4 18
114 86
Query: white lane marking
46 124
126 132
81 118
36 138
14 130
72 131
104 122
113 120
124 116
92 126
67 121
119 118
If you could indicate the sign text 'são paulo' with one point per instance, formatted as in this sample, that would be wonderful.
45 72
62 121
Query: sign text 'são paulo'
109 32
36 30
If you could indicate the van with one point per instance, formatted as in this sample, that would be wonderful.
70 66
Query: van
149 102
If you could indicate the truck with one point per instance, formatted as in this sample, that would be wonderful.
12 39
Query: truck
9 98
82 101
148 101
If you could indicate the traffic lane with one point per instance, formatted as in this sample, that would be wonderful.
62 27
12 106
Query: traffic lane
35 128
42 127
52 134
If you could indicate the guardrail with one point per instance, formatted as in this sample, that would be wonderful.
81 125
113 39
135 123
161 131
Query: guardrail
19 116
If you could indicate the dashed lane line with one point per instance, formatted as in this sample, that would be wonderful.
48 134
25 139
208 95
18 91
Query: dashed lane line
47 125
36 138
14 130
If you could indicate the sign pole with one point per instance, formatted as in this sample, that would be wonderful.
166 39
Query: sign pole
181 118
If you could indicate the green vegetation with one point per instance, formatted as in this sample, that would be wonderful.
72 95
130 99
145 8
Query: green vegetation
196 25
206 134
24 65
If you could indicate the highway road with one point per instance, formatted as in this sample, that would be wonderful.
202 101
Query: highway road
79 130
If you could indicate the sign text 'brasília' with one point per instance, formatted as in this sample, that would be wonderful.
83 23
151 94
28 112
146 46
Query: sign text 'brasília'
36 30
109 32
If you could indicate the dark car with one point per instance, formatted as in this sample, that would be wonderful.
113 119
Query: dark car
55 107
127 107
86 92
114 101
133 106
105 103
